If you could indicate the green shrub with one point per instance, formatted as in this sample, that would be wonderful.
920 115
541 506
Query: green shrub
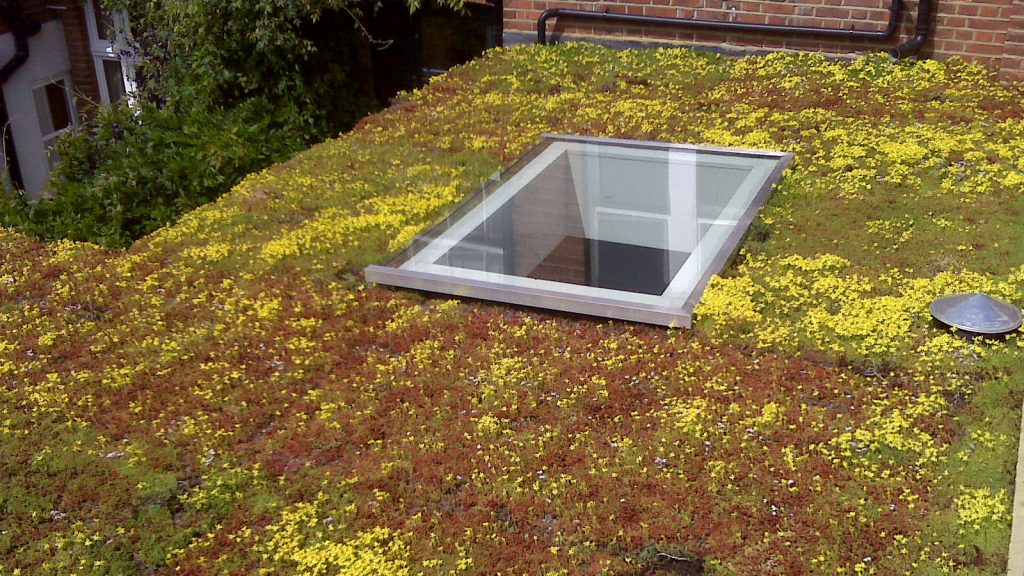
131 171
224 88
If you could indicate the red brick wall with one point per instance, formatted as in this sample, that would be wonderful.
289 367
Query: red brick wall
1012 63
990 32
545 212
83 71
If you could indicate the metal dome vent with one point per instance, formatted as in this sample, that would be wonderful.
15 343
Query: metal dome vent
977 313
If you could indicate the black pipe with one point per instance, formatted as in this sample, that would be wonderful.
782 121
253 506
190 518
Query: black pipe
499 9
922 27
720 25
21 29
10 154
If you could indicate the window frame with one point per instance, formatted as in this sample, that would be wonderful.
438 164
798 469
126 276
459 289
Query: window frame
48 140
110 49
418 266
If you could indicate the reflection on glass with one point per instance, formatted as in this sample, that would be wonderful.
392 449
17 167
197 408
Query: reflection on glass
104 21
603 217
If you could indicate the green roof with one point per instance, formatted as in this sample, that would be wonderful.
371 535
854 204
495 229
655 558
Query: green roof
227 396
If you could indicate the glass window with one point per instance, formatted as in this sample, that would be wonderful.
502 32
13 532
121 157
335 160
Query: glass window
104 21
614 228
56 115
109 42
113 75
53 106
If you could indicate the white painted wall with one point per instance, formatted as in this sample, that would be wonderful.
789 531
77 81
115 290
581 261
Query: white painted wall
48 61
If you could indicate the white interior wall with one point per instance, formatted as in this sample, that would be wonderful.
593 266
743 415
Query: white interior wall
642 197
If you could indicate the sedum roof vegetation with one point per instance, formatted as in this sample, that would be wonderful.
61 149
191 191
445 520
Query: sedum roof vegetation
228 397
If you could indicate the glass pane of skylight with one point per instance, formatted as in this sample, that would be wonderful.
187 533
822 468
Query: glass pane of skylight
614 228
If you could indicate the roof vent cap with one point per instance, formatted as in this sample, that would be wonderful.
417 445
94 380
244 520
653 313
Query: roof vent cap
977 313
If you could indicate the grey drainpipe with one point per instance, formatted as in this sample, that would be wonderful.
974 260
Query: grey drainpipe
22 29
922 27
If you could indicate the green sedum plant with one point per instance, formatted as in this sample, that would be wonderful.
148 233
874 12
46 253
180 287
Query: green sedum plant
227 397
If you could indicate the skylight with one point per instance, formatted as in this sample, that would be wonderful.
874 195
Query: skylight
612 228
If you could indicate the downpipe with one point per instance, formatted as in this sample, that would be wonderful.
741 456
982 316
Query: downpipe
922 28
21 28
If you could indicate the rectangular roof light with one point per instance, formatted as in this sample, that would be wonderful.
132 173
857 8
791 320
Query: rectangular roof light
613 228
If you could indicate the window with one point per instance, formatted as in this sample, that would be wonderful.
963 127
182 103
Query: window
108 42
614 228
104 19
113 75
56 114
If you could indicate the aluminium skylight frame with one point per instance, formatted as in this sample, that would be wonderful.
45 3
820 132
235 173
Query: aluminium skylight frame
417 266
